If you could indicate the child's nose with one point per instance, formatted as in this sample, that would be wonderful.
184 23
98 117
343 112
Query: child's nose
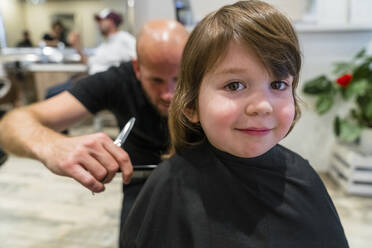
259 106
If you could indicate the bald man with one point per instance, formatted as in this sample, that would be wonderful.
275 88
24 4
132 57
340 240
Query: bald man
142 88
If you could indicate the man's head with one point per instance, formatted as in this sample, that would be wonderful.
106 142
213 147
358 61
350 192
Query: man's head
57 28
160 46
108 21
26 35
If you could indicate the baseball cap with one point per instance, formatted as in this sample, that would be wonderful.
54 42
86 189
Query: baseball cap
108 14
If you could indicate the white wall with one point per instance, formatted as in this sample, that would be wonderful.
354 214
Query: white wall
292 8
146 10
149 9
202 8
14 22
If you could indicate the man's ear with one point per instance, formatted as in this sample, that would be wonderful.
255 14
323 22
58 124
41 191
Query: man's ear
191 115
136 68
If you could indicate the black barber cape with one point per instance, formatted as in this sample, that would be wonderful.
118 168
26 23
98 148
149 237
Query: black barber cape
207 198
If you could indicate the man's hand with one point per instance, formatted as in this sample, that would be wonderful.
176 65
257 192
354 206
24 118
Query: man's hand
92 160
74 40
32 131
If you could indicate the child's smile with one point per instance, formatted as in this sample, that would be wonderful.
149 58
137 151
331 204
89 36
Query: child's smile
241 108
255 131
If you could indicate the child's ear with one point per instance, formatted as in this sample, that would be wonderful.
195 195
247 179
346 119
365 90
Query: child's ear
192 115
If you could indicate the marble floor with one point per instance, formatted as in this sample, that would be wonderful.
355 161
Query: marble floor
41 210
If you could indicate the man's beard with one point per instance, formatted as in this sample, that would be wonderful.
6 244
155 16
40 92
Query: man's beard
104 32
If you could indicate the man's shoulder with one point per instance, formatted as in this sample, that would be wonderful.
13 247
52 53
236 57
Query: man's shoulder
112 74
123 35
111 80
123 72
126 67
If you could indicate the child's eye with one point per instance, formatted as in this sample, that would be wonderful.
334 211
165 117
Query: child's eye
234 86
279 85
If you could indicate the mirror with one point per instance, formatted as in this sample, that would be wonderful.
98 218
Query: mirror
37 16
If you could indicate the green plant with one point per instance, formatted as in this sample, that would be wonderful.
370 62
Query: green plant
353 82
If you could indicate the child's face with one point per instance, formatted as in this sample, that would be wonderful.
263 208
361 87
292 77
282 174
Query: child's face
242 110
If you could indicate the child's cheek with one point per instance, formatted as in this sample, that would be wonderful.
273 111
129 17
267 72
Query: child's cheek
286 116
219 108
226 109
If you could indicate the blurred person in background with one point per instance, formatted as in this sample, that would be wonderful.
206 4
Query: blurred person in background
118 46
57 36
26 41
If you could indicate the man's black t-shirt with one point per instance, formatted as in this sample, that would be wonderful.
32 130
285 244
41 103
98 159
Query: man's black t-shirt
119 91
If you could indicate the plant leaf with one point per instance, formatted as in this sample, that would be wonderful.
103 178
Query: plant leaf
324 103
363 71
318 85
349 131
368 110
364 104
336 126
356 88
341 68
360 54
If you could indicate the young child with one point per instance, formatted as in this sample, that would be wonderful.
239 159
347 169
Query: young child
228 183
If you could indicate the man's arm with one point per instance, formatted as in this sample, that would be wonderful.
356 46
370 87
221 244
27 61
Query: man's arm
31 131
75 42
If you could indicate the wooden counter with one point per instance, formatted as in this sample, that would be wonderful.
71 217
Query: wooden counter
47 75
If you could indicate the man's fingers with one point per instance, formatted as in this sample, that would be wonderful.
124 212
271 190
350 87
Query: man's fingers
96 169
84 177
96 161
122 159
107 160
99 161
